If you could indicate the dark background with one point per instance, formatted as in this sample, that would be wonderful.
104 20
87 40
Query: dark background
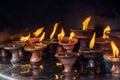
23 16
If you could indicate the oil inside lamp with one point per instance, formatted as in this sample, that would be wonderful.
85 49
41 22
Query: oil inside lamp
114 59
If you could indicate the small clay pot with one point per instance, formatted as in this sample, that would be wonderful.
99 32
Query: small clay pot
67 44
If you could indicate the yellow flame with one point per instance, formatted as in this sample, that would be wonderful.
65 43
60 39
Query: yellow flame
72 34
61 35
41 67
106 31
42 37
24 39
114 49
92 42
38 32
56 77
58 64
86 22
54 30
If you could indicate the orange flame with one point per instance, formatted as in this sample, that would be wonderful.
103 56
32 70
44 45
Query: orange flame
106 30
72 34
54 30
92 42
38 32
86 22
56 77
114 49
42 37
61 35
24 39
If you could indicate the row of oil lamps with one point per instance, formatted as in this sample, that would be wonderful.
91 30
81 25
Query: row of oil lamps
67 57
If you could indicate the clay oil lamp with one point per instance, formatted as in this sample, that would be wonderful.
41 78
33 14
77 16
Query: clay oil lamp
91 54
22 42
13 48
36 50
67 61
104 41
3 52
114 59
68 43
67 58
84 34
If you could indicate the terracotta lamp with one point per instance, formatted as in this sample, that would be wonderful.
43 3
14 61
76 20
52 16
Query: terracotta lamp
114 59
36 50
20 51
68 44
67 60
13 48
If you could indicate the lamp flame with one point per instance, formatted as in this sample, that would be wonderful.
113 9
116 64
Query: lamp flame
42 37
38 32
106 31
86 22
24 39
92 42
114 49
54 30
61 35
72 34
56 77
